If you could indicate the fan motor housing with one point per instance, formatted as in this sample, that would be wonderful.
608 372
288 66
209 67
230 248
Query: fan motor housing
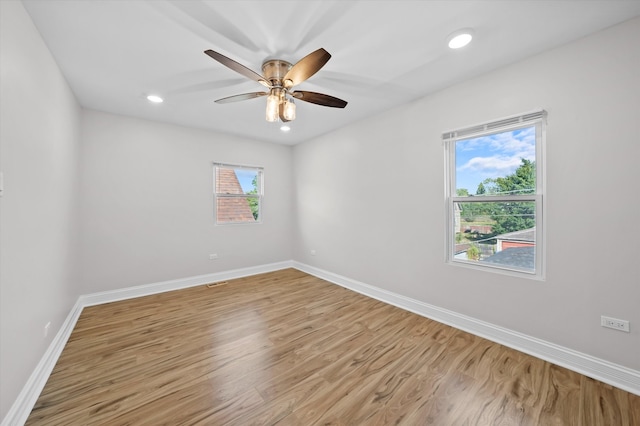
274 70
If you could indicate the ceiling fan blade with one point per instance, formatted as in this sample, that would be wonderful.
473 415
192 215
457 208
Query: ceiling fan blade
306 67
242 97
237 67
319 99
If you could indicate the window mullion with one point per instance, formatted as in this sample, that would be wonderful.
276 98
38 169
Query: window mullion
494 198
238 195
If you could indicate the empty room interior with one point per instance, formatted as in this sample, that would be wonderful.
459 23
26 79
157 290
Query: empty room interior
323 212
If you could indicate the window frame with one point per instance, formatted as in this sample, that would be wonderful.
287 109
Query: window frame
535 119
259 195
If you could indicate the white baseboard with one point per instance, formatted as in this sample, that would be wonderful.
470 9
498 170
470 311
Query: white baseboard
599 369
161 287
21 408
19 411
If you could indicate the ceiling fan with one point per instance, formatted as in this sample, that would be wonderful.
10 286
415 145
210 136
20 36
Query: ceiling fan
279 77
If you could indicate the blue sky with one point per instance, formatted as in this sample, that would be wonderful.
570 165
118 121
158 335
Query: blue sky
245 177
492 156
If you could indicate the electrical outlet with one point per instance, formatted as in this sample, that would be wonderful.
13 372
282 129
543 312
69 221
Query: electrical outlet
46 329
213 256
616 324
313 252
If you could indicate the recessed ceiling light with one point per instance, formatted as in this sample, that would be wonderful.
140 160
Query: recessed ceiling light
155 99
460 38
285 128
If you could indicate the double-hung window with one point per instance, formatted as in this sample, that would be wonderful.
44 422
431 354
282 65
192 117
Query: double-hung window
494 195
238 192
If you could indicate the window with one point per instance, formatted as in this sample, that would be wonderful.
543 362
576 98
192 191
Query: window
494 191
237 193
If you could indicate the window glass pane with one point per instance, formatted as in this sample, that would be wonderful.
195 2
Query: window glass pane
496 233
249 180
497 164
237 209
236 181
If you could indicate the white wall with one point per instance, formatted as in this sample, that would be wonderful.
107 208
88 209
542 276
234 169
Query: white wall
39 209
147 203
370 198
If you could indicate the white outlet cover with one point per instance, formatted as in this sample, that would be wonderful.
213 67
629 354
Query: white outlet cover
614 323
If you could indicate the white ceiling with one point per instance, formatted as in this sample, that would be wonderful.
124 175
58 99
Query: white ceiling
384 53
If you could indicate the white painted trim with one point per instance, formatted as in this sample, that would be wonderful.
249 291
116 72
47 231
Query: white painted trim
21 408
163 286
596 368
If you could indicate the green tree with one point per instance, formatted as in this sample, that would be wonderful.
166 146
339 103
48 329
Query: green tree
523 181
253 202
473 253
466 209
478 209
515 216
486 187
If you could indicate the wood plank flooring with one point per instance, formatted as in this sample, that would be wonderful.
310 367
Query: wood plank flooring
287 348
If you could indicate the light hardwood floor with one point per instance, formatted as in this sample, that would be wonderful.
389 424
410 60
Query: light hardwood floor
287 348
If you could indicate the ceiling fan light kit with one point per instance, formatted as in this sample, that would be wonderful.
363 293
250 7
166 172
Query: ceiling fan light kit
279 77
273 102
289 112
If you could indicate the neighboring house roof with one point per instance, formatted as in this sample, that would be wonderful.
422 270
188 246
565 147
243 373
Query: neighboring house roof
528 235
227 182
231 209
461 248
519 257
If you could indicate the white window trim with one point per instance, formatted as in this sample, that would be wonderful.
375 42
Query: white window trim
536 118
259 196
